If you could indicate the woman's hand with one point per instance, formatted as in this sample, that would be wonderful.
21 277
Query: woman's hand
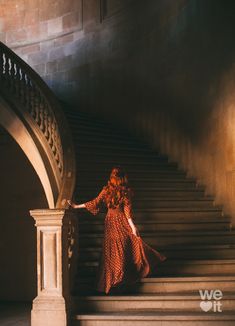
74 205
71 204
133 227
135 232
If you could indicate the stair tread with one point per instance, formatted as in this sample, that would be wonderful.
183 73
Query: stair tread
148 297
180 279
170 233
156 315
178 262
168 221
189 247
175 209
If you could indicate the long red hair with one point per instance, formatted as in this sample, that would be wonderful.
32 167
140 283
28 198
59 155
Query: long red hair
117 187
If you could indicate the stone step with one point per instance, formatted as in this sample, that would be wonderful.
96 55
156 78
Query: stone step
170 238
171 225
96 131
95 187
157 163
104 147
191 252
155 318
135 173
175 203
145 183
170 203
164 215
86 122
143 179
188 189
84 135
115 158
164 197
90 121
87 139
151 210
140 181
152 194
166 285
131 161
143 302
141 157
177 267
139 174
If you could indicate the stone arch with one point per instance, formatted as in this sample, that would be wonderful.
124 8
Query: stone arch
16 128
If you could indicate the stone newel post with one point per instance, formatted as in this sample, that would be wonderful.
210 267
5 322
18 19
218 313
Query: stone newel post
51 306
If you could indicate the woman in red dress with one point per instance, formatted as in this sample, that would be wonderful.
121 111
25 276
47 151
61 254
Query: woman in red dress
125 258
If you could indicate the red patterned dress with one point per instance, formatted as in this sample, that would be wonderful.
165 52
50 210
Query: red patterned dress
125 258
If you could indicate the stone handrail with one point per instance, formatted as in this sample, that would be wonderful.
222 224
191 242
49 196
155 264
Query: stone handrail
37 107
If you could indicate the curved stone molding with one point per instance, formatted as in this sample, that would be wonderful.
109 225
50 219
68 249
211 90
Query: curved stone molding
35 105
17 130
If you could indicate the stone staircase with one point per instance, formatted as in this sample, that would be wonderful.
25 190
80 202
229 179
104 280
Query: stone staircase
173 215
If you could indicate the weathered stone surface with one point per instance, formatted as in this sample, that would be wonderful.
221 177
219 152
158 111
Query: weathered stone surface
16 36
38 57
55 26
30 49
72 20
65 64
56 53
51 67
40 69
61 41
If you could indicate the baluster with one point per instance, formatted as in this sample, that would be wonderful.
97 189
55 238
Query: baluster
53 148
1 65
27 92
29 98
41 117
33 110
36 107
20 84
7 71
49 130
23 92
17 77
12 76
46 132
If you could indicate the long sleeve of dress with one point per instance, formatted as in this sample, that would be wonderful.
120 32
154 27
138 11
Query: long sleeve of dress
128 208
94 205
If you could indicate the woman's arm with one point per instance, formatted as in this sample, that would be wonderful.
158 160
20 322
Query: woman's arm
75 205
132 225
93 206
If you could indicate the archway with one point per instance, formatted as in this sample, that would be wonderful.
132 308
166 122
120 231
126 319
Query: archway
20 191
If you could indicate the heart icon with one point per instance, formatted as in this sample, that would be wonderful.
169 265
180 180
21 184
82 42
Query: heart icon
206 305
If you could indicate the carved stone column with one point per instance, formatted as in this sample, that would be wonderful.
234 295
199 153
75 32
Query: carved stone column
51 307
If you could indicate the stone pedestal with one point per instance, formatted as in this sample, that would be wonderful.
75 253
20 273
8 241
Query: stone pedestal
51 307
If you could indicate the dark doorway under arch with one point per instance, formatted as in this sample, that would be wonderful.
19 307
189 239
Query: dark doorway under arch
20 191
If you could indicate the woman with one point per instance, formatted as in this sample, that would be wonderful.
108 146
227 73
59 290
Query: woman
125 258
